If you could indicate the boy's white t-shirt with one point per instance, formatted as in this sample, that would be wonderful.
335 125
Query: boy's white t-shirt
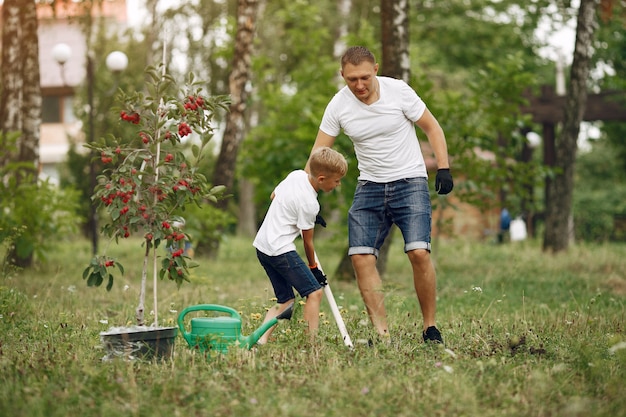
293 208
383 133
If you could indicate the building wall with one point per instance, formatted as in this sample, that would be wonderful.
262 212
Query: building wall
57 26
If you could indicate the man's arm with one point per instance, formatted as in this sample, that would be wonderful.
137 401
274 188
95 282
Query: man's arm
437 139
322 139
443 180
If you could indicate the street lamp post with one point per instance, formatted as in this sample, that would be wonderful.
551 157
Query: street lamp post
61 53
116 62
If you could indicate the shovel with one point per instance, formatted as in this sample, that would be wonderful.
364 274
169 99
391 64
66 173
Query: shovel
335 310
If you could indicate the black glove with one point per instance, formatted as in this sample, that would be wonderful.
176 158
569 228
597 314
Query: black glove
443 181
320 220
319 276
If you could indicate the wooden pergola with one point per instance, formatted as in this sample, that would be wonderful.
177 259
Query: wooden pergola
548 108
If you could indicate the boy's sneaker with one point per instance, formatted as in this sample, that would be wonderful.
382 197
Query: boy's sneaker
432 335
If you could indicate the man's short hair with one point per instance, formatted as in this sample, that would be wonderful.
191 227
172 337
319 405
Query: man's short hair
355 55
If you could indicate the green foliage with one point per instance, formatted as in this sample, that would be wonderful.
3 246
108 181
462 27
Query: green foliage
485 130
599 204
611 53
36 215
210 55
150 177
295 85
106 124
472 87
204 225
452 39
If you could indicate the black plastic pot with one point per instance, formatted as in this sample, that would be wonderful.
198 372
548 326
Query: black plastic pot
145 343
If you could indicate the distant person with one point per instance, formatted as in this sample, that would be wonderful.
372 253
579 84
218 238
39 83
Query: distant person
505 225
293 212
378 114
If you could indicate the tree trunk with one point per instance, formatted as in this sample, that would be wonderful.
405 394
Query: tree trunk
394 16
344 271
560 189
20 103
235 124
224 173
394 19
246 224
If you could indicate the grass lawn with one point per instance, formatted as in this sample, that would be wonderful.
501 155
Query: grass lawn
527 334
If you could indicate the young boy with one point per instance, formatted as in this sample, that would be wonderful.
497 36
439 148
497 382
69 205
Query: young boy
293 212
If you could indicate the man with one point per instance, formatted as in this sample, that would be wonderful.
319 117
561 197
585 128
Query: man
378 114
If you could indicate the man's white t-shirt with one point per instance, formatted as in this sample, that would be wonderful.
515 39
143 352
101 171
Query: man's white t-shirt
293 208
383 133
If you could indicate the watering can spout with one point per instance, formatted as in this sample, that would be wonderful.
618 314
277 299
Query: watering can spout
251 340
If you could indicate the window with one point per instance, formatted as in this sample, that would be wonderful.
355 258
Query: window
57 109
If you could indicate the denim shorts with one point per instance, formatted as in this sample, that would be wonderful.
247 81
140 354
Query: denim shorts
376 206
288 271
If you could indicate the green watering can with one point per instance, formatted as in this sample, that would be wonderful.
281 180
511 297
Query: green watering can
219 332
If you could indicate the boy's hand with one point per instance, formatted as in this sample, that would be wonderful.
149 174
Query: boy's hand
319 276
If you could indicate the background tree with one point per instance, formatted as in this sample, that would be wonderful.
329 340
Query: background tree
34 213
610 58
293 76
599 200
20 104
224 173
559 191
240 74
395 63
600 192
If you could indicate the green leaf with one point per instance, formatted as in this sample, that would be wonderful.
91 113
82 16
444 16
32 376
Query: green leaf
110 284
165 263
93 280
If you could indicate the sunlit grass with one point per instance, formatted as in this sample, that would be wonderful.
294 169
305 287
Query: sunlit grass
527 334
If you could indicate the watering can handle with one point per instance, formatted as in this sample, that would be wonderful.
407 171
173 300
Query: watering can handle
204 307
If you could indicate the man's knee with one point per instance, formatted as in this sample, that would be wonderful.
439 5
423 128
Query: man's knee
419 256
363 260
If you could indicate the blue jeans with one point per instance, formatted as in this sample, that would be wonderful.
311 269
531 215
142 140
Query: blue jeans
376 206
288 271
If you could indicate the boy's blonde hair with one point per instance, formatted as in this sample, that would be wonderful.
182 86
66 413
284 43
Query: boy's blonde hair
327 161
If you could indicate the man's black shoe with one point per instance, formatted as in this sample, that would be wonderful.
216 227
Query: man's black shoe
432 335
